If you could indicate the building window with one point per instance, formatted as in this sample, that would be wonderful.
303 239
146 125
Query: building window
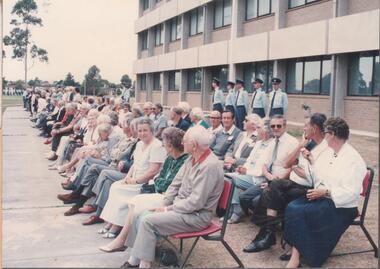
175 29
261 70
158 34
222 13
144 40
194 79
221 72
196 21
143 82
309 75
363 74
174 80
144 4
297 3
257 8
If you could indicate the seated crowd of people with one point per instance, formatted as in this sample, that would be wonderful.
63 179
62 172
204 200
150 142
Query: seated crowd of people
144 173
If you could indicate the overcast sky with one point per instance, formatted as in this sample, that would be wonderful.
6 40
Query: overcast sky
78 34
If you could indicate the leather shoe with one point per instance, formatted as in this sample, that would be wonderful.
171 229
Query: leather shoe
72 211
68 187
267 240
69 198
128 265
87 209
93 220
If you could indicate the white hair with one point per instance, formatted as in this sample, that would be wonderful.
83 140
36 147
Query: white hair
185 106
256 120
105 127
199 135
197 112
93 113
103 119
85 106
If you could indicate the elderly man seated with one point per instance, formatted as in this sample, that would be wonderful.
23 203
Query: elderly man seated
189 201
175 115
215 120
225 138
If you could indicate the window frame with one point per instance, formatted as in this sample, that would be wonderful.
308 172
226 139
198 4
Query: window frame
258 8
177 37
143 77
373 54
305 3
174 73
144 40
321 59
155 75
197 16
223 6
145 5
158 26
195 70
268 64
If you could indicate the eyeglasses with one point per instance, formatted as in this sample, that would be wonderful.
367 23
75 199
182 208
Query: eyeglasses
278 126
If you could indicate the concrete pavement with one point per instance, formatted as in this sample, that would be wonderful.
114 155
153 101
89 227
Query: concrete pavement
35 231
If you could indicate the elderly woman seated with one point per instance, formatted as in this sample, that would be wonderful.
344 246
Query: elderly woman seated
148 158
250 173
184 208
197 117
315 223
238 153
172 140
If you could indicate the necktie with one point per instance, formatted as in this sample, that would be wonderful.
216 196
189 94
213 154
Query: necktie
271 105
213 97
253 99
274 154
237 97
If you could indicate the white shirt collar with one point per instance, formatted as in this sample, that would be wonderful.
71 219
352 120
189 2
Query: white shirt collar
230 131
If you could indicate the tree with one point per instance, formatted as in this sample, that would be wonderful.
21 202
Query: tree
93 81
19 85
20 36
69 80
126 81
35 82
5 82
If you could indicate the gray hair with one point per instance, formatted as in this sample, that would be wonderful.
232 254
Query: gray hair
127 121
174 137
138 110
114 118
199 135
148 104
185 106
148 122
254 118
103 119
71 106
134 123
105 127
85 106
177 110
197 112
278 116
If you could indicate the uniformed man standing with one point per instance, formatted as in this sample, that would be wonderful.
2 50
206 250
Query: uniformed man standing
258 102
231 97
278 100
242 103
217 97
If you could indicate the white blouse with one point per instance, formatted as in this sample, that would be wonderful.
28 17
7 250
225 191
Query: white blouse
342 174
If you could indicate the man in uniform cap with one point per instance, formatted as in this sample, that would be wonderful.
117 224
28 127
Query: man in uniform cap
242 102
258 102
218 96
278 100
231 96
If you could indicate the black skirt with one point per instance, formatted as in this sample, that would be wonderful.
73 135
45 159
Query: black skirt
315 227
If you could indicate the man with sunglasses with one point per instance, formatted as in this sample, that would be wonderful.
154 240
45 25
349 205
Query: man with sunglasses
278 100
272 163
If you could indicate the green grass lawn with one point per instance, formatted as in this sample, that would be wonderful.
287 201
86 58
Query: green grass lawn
8 101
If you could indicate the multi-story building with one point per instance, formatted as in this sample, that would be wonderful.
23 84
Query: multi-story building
325 51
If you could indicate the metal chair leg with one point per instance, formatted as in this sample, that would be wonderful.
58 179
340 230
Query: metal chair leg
369 237
190 251
232 253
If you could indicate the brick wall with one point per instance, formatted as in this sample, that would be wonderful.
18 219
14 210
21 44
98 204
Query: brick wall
194 99
158 50
195 41
310 13
362 113
355 6
317 103
259 25
174 46
142 96
221 34
156 96
173 98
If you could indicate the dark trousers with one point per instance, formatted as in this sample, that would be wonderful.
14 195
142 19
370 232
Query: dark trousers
240 116
280 193
276 111
230 108
56 140
217 107
259 111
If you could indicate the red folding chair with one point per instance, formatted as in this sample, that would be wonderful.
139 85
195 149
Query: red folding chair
208 233
366 191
